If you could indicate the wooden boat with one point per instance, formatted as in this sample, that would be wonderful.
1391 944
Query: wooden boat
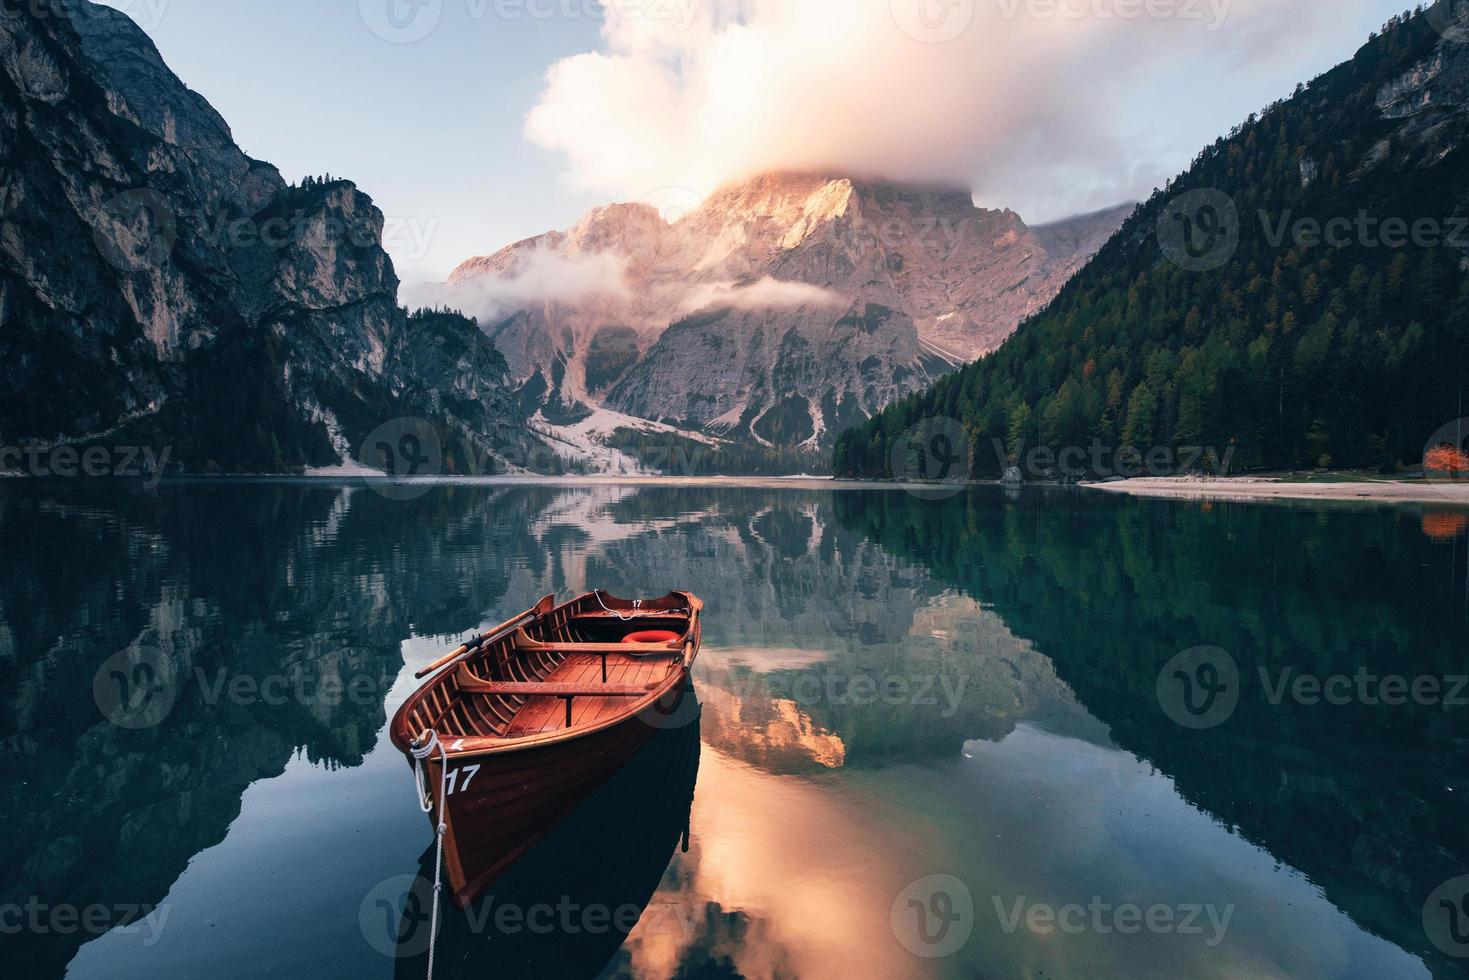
648 802
519 725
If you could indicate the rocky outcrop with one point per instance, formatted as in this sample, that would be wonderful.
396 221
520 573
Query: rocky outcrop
159 286
782 309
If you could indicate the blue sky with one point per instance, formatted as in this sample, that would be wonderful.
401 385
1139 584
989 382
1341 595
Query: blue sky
434 127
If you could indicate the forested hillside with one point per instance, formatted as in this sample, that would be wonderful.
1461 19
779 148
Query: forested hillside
1298 298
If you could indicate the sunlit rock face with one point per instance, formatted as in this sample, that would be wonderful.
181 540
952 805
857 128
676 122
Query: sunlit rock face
781 309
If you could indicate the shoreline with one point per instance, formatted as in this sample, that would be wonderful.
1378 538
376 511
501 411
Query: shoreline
1244 489
373 479
1263 488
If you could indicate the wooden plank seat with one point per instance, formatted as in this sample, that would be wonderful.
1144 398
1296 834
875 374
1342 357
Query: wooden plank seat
532 690
470 684
603 649
522 642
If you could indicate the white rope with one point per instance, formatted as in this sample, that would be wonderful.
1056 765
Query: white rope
420 754
636 605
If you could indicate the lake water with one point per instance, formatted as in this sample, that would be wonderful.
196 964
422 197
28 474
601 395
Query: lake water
945 738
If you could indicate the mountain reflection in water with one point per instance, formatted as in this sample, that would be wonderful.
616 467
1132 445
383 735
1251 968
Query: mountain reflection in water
892 689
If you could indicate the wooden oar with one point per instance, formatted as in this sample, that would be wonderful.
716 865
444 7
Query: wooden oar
509 626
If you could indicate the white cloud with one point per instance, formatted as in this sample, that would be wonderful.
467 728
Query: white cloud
540 276
1068 104
766 293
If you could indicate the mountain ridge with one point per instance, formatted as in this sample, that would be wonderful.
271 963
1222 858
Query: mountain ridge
779 310
1256 338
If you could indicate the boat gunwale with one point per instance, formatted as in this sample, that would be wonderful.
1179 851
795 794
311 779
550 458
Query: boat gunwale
469 746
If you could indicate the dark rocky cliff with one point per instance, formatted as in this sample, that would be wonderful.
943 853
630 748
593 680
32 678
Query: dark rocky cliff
160 287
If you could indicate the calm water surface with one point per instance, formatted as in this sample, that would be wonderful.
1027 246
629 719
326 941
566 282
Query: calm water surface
933 739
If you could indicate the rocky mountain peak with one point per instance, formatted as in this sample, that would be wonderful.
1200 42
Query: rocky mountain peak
819 298
781 196
626 229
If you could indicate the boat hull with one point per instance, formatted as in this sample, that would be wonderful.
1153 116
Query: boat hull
648 801
501 804
519 725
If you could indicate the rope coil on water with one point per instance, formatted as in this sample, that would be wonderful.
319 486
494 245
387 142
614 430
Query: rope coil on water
421 754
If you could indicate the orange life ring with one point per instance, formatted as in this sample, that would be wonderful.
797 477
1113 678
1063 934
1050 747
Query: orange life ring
651 636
